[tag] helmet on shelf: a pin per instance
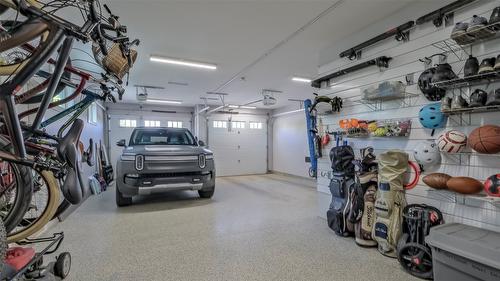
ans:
(431, 117)
(430, 92)
(427, 153)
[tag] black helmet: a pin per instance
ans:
(471, 66)
(444, 72)
(478, 98)
(494, 98)
(425, 84)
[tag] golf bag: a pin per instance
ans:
(362, 213)
(390, 201)
(341, 186)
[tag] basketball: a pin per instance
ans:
(452, 141)
(492, 186)
(485, 139)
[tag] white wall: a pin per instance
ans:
(289, 147)
(475, 209)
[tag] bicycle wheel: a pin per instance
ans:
(13, 60)
(44, 203)
(16, 185)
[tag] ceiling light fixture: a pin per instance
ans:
(164, 101)
(233, 106)
(248, 107)
(183, 62)
(300, 79)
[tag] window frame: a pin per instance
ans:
(132, 122)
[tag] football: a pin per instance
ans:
(452, 141)
(464, 185)
(492, 186)
(437, 180)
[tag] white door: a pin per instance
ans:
(239, 148)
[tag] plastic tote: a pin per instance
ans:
(464, 253)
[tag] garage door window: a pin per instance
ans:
(174, 124)
(256, 125)
(151, 123)
(220, 124)
(127, 123)
(238, 125)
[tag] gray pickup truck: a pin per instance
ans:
(163, 159)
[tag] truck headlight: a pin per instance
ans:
(209, 156)
(139, 162)
(127, 157)
(202, 161)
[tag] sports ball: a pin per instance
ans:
(372, 127)
(452, 141)
(437, 180)
(485, 139)
(492, 186)
(381, 132)
(464, 185)
(427, 153)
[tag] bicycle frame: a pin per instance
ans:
(77, 108)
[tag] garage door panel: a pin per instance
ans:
(239, 151)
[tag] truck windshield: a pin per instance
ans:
(162, 137)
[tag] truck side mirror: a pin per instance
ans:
(201, 143)
(120, 142)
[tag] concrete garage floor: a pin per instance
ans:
(255, 228)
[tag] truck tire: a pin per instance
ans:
(122, 201)
(207, 193)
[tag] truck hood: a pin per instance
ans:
(170, 150)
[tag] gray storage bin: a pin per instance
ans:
(464, 253)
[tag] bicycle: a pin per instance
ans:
(55, 31)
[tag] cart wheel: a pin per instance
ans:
(416, 259)
(63, 265)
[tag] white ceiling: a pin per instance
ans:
(233, 34)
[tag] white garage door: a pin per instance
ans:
(240, 146)
(121, 127)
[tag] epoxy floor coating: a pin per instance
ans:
(254, 228)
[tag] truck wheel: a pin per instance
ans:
(122, 201)
(62, 265)
(208, 193)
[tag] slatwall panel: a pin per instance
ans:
(477, 209)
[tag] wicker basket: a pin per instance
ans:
(116, 63)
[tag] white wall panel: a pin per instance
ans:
(476, 209)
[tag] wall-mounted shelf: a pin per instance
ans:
(481, 109)
(478, 79)
(376, 103)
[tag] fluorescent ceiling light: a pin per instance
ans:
(183, 62)
(300, 79)
(248, 107)
(164, 101)
(233, 106)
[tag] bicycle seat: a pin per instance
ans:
(73, 188)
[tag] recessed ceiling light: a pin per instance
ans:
(301, 79)
(183, 62)
(248, 107)
(164, 101)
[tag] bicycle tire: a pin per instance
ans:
(24, 188)
(14, 68)
(48, 212)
